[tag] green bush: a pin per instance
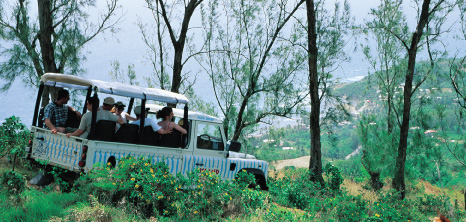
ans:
(12, 182)
(390, 208)
(151, 190)
(334, 178)
(13, 137)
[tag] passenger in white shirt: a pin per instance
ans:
(85, 125)
(118, 110)
(149, 122)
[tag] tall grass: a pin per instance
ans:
(33, 205)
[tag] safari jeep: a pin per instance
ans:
(204, 147)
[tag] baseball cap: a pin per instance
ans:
(119, 103)
(109, 101)
(137, 110)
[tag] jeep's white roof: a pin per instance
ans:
(192, 115)
(115, 88)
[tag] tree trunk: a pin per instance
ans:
(177, 67)
(375, 180)
(398, 182)
(46, 46)
(375, 176)
(315, 164)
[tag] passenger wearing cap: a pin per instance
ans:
(118, 110)
(85, 125)
(108, 104)
(148, 121)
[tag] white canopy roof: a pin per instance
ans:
(115, 88)
(153, 108)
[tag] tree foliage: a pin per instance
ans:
(53, 41)
(431, 15)
(165, 15)
(251, 61)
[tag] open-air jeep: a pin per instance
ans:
(204, 147)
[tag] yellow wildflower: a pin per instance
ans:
(151, 170)
(114, 183)
(377, 215)
(195, 212)
(133, 179)
(136, 186)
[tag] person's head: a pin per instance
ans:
(91, 101)
(108, 103)
(165, 113)
(137, 111)
(63, 96)
(119, 107)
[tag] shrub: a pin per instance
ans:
(151, 190)
(13, 182)
(390, 208)
(13, 137)
(334, 178)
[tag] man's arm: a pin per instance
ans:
(49, 124)
(128, 117)
(78, 132)
(158, 128)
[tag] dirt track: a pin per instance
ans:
(301, 162)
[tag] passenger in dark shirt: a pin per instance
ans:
(56, 113)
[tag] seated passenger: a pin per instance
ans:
(56, 113)
(148, 121)
(166, 114)
(118, 110)
(85, 125)
(108, 104)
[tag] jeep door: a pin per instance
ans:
(209, 147)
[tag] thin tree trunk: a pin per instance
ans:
(399, 178)
(315, 164)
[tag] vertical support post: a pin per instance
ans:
(94, 116)
(38, 100)
(88, 95)
(130, 105)
(143, 118)
(184, 138)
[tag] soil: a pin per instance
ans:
(301, 162)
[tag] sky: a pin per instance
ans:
(127, 47)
